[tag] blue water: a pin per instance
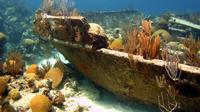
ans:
(146, 6)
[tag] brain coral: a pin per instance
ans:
(40, 103)
(56, 75)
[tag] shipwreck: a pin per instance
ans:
(129, 76)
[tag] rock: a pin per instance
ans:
(40, 103)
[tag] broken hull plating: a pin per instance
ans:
(134, 79)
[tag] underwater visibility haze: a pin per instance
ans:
(99, 56)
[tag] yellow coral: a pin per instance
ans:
(40, 103)
(56, 75)
(32, 69)
(117, 44)
(14, 94)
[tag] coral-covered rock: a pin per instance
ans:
(56, 75)
(40, 103)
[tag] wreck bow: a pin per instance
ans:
(126, 75)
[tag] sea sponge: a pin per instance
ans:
(14, 94)
(117, 44)
(40, 103)
(3, 84)
(56, 75)
(31, 76)
(32, 69)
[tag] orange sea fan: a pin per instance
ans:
(142, 42)
(154, 47)
(146, 27)
(132, 43)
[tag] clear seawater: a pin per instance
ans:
(110, 102)
(146, 6)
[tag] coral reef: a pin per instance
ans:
(40, 103)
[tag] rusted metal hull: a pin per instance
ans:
(134, 79)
